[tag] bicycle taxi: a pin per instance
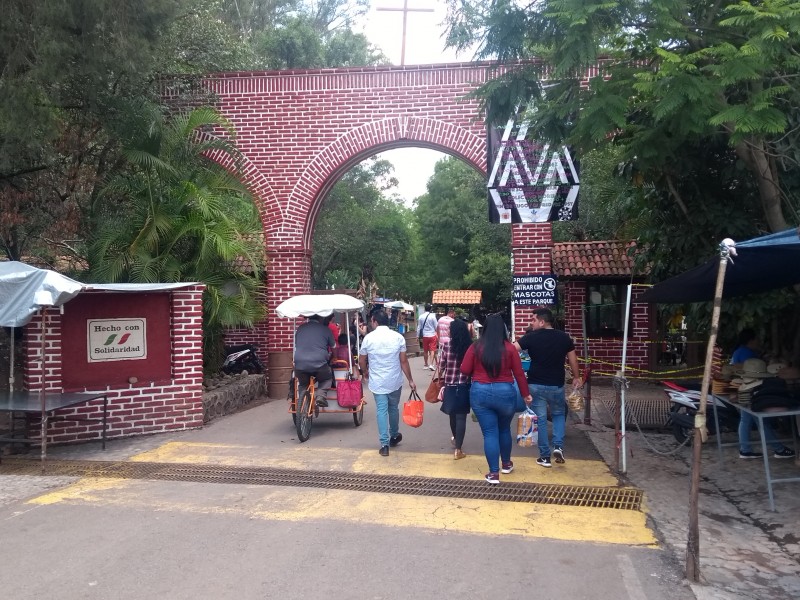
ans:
(302, 402)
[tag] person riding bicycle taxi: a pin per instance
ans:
(313, 344)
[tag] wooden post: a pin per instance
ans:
(700, 432)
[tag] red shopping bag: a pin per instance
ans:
(348, 393)
(413, 410)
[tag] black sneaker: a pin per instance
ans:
(558, 454)
(752, 454)
(784, 453)
(322, 402)
(384, 451)
(544, 461)
(395, 439)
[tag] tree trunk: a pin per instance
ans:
(754, 153)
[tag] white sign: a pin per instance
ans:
(116, 339)
(534, 290)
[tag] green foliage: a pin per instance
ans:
(696, 102)
(360, 231)
(186, 219)
(459, 248)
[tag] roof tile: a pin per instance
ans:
(606, 258)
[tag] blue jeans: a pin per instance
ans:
(552, 396)
(493, 404)
(746, 424)
(388, 414)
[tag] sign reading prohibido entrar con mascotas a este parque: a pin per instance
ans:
(116, 339)
(534, 290)
(529, 182)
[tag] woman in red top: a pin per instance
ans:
(494, 365)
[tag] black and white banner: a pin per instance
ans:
(534, 290)
(529, 182)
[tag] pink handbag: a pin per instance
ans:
(348, 393)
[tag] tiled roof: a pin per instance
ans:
(456, 297)
(593, 259)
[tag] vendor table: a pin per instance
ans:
(45, 404)
(759, 417)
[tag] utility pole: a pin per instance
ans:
(405, 10)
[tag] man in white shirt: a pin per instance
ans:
(427, 337)
(383, 362)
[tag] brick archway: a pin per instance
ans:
(299, 131)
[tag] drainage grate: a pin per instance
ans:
(649, 413)
(564, 495)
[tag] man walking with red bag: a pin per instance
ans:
(383, 362)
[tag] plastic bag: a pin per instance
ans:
(413, 410)
(527, 428)
(575, 401)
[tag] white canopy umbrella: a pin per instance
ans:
(323, 305)
(401, 306)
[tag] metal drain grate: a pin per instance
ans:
(649, 413)
(564, 495)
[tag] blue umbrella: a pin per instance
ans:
(761, 264)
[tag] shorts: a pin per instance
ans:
(429, 343)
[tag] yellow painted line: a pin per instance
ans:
(439, 514)
(399, 462)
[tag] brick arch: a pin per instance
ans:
(368, 139)
(300, 130)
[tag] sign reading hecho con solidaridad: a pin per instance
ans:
(529, 182)
(116, 339)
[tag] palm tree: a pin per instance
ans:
(174, 215)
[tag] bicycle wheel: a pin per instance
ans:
(304, 417)
(358, 415)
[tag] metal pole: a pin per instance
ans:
(622, 372)
(43, 332)
(700, 432)
(587, 413)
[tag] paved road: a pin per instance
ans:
(125, 538)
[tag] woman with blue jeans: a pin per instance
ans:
(494, 365)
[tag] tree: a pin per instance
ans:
(359, 231)
(460, 249)
(186, 219)
(675, 74)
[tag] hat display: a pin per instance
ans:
(755, 368)
(775, 366)
(751, 385)
(727, 372)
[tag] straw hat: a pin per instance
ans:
(755, 368)
(750, 385)
(775, 366)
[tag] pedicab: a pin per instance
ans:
(302, 402)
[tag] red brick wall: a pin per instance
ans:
(134, 408)
(606, 353)
(531, 250)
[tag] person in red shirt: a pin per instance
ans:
(333, 327)
(494, 365)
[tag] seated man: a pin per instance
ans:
(313, 345)
(749, 348)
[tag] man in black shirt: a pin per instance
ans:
(548, 349)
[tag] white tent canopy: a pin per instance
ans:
(25, 289)
(323, 305)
